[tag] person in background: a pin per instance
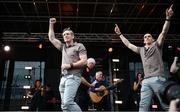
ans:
(151, 56)
(36, 94)
(49, 99)
(98, 82)
(174, 105)
(175, 70)
(137, 87)
(82, 96)
(74, 58)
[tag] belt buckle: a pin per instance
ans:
(64, 72)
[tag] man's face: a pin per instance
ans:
(148, 39)
(99, 76)
(90, 65)
(68, 36)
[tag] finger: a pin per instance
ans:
(116, 25)
(171, 6)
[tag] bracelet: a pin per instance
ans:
(71, 64)
(168, 20)
(120, 34)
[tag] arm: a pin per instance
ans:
(51, 34)
(161, 37)
(125, 41)
(173, 107)
(136, 85)
(81, 63)
(174, 68)
(85, 82)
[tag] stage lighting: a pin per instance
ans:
(110, 49)
(40, 46)
(28, 68)
(115, 60)
(26, 87)
(25, 107)
(118, 102)
(27, 76)
(7, 48)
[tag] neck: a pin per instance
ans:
(69, 43)
(148, 45)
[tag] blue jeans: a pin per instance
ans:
(68, 88)
(150, 87)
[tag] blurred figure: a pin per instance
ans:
(74, 58)
(82, 96)
(99, 86)
(50, 99)
(36, 94)
(137, 87)
(151, 56)
(174, 105)
(175, 70)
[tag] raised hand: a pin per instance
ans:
(169, 11)
(176, 58)
(117, 30)
(52, 20)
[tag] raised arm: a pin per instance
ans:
(161, 37)
(125, 41)
(51, 34)
(174, 68)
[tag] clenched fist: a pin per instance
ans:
(52, 20)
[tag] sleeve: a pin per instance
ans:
(83, 71)
(82, 49)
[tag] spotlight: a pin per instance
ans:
(110, 49)
(118, 102)
(25, 107)
(7, 48)
(40, 46)
(115, 60)
(26, 87)
(28, 68)
(27, 77)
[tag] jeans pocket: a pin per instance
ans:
(162, 79)
(77, 79)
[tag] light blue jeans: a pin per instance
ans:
(68, 88)
(150, 87)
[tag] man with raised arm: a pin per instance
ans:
(151, 56)
(74, 57)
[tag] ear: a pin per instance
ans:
(73, 36)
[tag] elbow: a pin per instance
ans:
(173, 71)
(84, 62)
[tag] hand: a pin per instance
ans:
(176, 58)
(174, 105)
(92, 85)
(141, 79)
(52, 20)
(65, 66)
(169, 12)
(117, 30)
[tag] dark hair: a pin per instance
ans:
(138, 74)
(36, 82)
(68, 29)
